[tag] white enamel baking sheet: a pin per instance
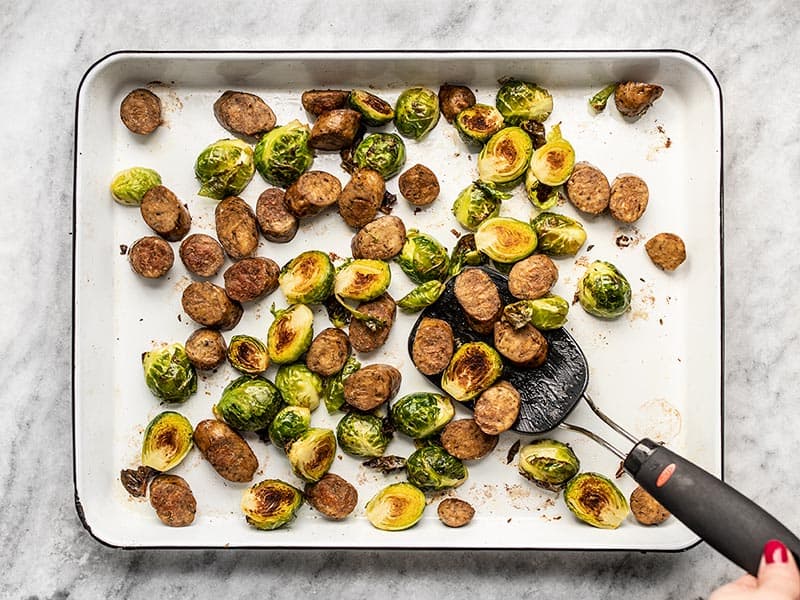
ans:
(657, 370)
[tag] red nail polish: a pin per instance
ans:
(775, 551)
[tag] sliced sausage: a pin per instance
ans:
(633, 98)
(371, 386)
(646, 509)
(237, 230)
(244, 114)
(140, 111)
(173, 500)
(433, 346)
(381, 239)
(455, 512)
(227, 451)
(276, 222)
(164, 213)
(335, 129)
(419, 185)
(313, 192)
(206, 349)
(497, 408)
(202, 255)
(209, 305)
(334, 497)
(151, 257)
(321, 101)
(629, 197)
(478, 296)
(666, 250)
(532, 277)
(251, 278)
(364, 339)
(525, 347)
(465, 440)
(588, 189)
(453, 99)
(328, 352)
(361, 197)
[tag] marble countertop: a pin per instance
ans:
(48, 46)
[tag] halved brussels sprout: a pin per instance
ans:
(307, 278)
(362, 279)
(288, 425)
(167, 441)
(311, 455)
(505, 240)
(416, 112)
(543, 197)
(421, 296)
(396, 507)
(423, 258)
(283, 154)
(299, 386)
(129, 186)
(224, 168)
(249, 403)
(333, 393)
(600, 99)
(558, 235)
(363, 435)
(505, 157)
(271, 503)
(603, 291)
(381, 152)
(290, 334)
(549, 312)
(552, 164)
(474, 367)
(595, 500)
(548, 463)
(465, 253)
(248, 354)
(476, 203)
(169, 374)
(432, 468)
(478, 123)
(520, 101)
(422, 414)
(374, 111)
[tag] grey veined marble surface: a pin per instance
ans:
(47, 46)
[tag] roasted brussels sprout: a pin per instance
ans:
(474, 367)
(552, 164)
(505, 240)
(595, 500)
(312, 454)
(465, 253)
(416, 112)
(307, 278)
(333, 392)
(476, 203)
(283, 154)
(558, 235)
(167, 441)
(478, 123)
(422, 414)
(381, 152)
(363, 435)
(423, 258)
(224, 168)
(362, 279)
(129, 186)
(248, 354)
(288, 425)
(396, 507)
(548, 312)
(249, 403)
(520, 101)
(505, 157)
(421, 296)
(432, 468)
(603, 291)
(169, 374)
(543, 197)
(548, 463)
(271, 503)
(299, 386)
(600, 99)
(290, 333)
(374, 111)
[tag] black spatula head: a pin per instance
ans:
(548, 392)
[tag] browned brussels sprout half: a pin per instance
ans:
(396, 507)
(548, 463)
(474, 367)
(595, 500)
(248, 354)
(167, 441)
(271, 503)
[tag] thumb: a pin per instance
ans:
(778, 572)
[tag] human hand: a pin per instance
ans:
(778, 578)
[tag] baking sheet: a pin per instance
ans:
(657, 370)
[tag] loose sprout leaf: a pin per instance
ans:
(599, 100)
(386, 464)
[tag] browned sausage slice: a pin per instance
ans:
(251, 278)
(455, 512)
(371, 386)
(588, 189)
(320, 101)
(312, 193)
(433, 346)
(165, 214)
(478, 296)
(202, 255)
(419, 185)
(335, 129)
(646, 509)
(332, 496)
(151, 257)
(381, 239)
(173, 500)
(140, 111)
(532, 277)
(453, 99)
(244, 114)
(629, 197)
(229, 454)
(497, 408)
(525, 347)
(633, 98)
(666, 250)
(209, 305)
(206, 349)
(236, 227)
(465, 440)
(276, 222)
(328, 352)
(364, 339)
(361, 197)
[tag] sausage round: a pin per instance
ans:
(362, 338)
(328, 352)
(629, 197)
(419, 185)
(151, 257)
(453, 99)
(478, 296)
(371, 386)
(455, 512)
(276, 223)
(361, 197)
(206, 349)
(209, 305)
(251, 278)
(465, 440)
(140, 111)
(532, 277)
(321, 101)
(646, 509)
(244, 114)
(497, 408)
(202, 255)
(525, 347)
(381, 239)
(666, 250)
(588, 189)
(229, 454)
(335, 129)
(433, 346)
(313, 192)
(173, 500)
(334, 497)
(633, 98)
(164, 213)
(236, 227)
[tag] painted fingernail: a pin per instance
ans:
(775, 551)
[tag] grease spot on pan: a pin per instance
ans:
(659, 420)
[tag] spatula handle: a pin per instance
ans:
(731, 523)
